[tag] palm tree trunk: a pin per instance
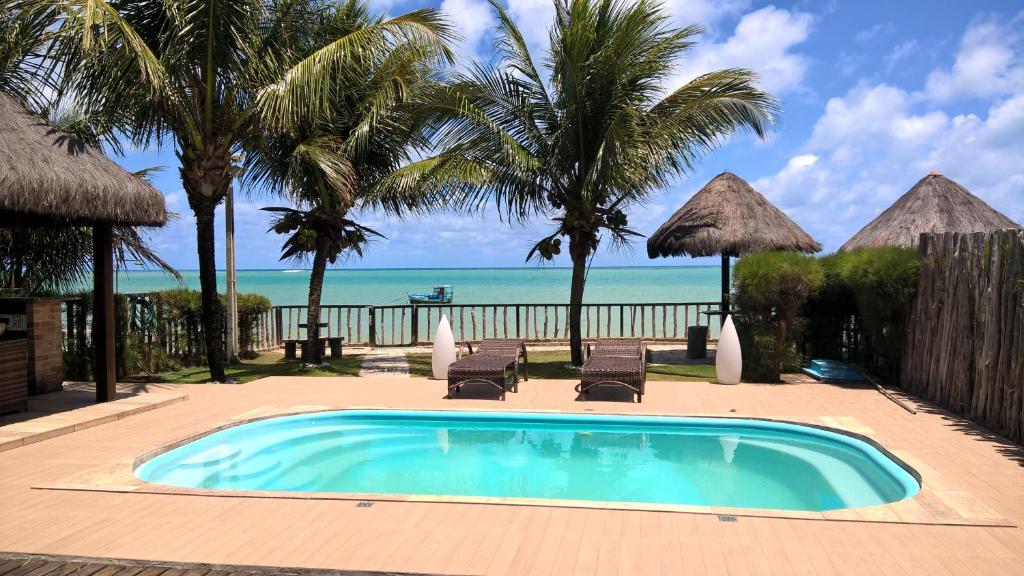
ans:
(314, 352)
(206, 177)
(578, 252)
(208, 285)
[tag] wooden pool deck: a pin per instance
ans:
(980, 475)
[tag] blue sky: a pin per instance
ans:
(875, 95)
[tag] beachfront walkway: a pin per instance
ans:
(965, 469)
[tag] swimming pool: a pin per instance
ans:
(667, 460)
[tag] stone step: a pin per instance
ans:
(384, 363)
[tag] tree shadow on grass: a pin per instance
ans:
(247, 371)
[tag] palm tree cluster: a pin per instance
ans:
(592, 136)
(341, 111)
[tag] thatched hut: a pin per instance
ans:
(934, 204)
(48, 178)
(729, 218)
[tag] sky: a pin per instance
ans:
(875, 95)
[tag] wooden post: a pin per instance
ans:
(415, 326)
(725, 289)
(372, 326)
(104, 366)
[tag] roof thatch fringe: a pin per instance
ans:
(934, 204)
(48, 176)
(728, 217)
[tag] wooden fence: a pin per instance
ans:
(965, 342)
(413, 324)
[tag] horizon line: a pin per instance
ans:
(431, 268)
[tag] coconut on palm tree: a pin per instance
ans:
(332, 164)
(207, 76)
(592, 136)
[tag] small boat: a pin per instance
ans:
(442, 294)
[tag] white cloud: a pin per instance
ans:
(872, 144)
(534, 18)
(900, 52)
(872, 118)
(869, 35)
(869, 147)
(707, 13)
(987, 64)
(762, 41)
(473, 19)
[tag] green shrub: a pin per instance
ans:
(250, 308)
(759, 343)
(771, 289)
(776, 282)
(169, 320)
(872, 288)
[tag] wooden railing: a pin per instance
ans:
(414, 324)
(157, 334)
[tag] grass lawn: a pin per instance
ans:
(551, 364)
(267, 364)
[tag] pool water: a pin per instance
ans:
(700, 461)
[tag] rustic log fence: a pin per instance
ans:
(965, 341)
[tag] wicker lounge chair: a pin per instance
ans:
(495, 362)
(614, 362)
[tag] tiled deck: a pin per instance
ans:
(75, 408)
(469, 538)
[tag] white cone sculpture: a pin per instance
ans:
(728, 358)
(444, 349)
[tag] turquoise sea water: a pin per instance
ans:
(699, 461)
(472, 286)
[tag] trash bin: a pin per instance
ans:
(697, 342)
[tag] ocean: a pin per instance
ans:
(534, 285)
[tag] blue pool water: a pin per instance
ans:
(702, 461)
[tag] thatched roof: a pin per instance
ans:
(730, 218)
(48, 177)
(934, 204)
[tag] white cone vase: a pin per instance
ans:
(444, 349)
(728, 358)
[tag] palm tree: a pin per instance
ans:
(22, 40)
(333, 164)
(594, 137)
(207, 76)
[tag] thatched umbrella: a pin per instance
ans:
(728, 217)
(934, 204)
(48, 178)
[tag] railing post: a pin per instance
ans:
(372, 312)
(69, 312)
(415, 325)
(278, 326)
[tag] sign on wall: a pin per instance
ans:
(15, 322)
